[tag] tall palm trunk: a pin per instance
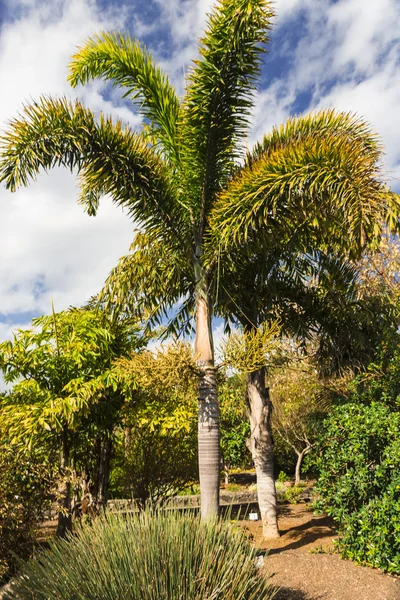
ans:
(208, 439)
(260, 408)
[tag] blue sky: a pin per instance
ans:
(342, 53)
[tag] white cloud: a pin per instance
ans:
(44, 235)
(47, 238)
(366, 30)
(272, 107)
(186, 20)
(347, 57)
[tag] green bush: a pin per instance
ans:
(359, 482)
(234, 423)
(282, 477)
(24, 496)
(292, 494)
(233, 487)
(155, 465)
(152, 556)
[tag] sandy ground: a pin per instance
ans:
(302, 563)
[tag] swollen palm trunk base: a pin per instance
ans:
(208, 439)
(262, 451)
(209, 447)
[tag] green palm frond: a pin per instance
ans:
(111, 160)
(128, 64)
(181, 321)
(329, 271)
(326, 122)
(328, 182)
(220, 95)
(149, 281)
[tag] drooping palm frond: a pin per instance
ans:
(149, 281)
(331, 122)
(111, 160)
(220, 95)
(330, 271)
(329, 183)
(127, 63)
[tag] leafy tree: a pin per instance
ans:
(64, 385)
(156, 454)
(299, 407)
(181, 178)
(152, 463)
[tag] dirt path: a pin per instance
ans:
(302, 565)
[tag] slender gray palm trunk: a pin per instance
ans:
(260, 408)
(208, 428)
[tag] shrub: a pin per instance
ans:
(233, 487)
(359, 482)
(152, 556)
(292, 494)
(282, 477)
(24, 495)
(155, 465)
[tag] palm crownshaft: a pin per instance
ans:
(179, 178)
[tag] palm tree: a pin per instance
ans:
(305, 291)
(291, 286)
(180, 178)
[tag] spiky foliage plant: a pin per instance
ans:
(150, 556)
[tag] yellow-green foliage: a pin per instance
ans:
(250, 350)
(60, 368)
(300, 402)
(157, 451)
(164, 381)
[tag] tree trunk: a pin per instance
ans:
(64, 524)
(208, 428)
(103, 473)
(300, 456)
(127, 440)
(261, 443)
(225, 469)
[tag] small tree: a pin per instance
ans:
(64, 384)
(299, 407)
(157, 455)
